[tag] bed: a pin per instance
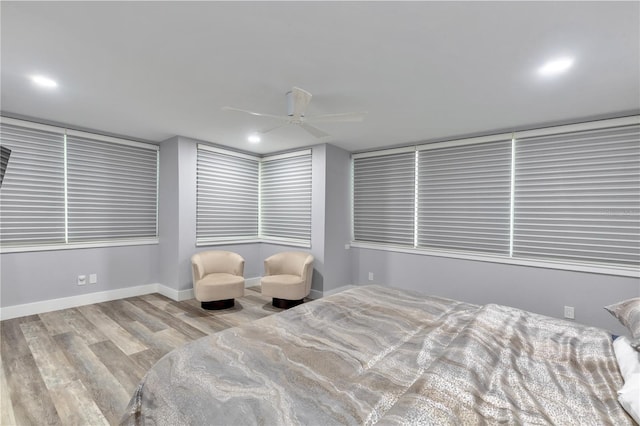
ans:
(377, 355)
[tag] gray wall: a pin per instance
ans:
(540, 290)
(337, 218)
(318, 209)
(44, 275)
(168, 213)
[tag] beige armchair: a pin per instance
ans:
(217, 278)
(287, 278)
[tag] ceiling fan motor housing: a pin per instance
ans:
(290, 104)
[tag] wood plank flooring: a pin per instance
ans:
(80, 366)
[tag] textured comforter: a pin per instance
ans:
(379, 355)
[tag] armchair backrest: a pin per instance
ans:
(216, 261)
(291, 263)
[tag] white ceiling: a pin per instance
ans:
(422, 70)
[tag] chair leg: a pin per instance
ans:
(285, 303)
(218, 304)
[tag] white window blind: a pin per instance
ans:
(285, 197)
(464, 195)
(384, 197)
(32, 210)
(227, 196)
(111, 189)
(577, 196)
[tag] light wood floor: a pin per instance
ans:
(80, 366)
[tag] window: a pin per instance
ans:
(112, 189)
(384, 197)
(227, 196)
(64, 188)
(243, 198)
(565, 197)
(285, 197)
(32, 207)
(464, 194)
(577, 196)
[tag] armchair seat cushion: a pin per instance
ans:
(282, 280)
(218, 275)
(287, 275)
(291, 287)
(219, 286)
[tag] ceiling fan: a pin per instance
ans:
(297, 102)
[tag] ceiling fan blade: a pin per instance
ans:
(314, 130)
(337, 118)
(271, 129)
(259, 114)
(300, 99)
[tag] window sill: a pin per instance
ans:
(549, 264)
(230, 242)
(74, 246)
(282, 242)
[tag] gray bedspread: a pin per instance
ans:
(380, 355)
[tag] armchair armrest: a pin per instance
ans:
(197, 267)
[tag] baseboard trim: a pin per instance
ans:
(26, 309)
(338, 290)
(252, 282)
(43, 306)
(173, 294)
(315, 294)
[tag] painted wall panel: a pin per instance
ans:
(44, 275)
(540, 290)
(337, 218)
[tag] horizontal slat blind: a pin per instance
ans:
(32, 192)
(464, 197)
(111, 190)
(577, 196)
(227, 197)
(285, 197)
(383, 198)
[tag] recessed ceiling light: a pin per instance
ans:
(556, 66)
(43, 81)
(254, 138)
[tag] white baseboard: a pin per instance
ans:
(34, 308)
(338, 290)
(251, 282)
(16, 311)
(173, 294)
(180, 295)
(317, 294)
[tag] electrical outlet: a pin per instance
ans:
(82, 279)
(93, 278)
(569, 312)
(347, 246)
(370, 276)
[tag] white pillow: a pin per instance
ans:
(629, 396)
(628, 358)
(629, 364)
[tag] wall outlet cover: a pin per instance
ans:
(82, 279)
(93, 278)
(569, 312)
